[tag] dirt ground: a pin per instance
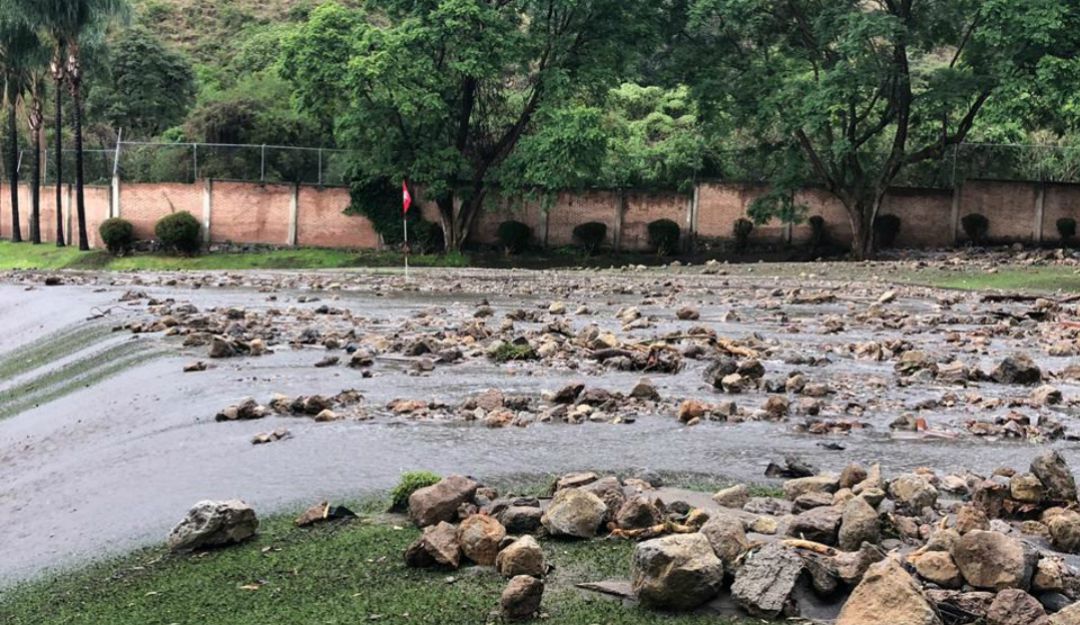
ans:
(105, 440)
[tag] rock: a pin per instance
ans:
(676, 572)
(557, 308)
(994, 561)
(440, 502)
(213, 524)
(850, 566)
(221, 348)
(574, 512)
(574, 480)
(522, 557)
(1026, 488)
(816, 484)
(813, 500)
(610, 491)
(776, 407)
(521, 519)
(937, 567)
(688, 313)
(479, 536)
(852, 475)
(521, 598)
(727, 537)
(819, 525)
(955, 372)
(645, 389)
(1068, 616)
(858, 524)
(1050, 575)
(1065, 532)
(718, 370)
(568, 394)
(1046, 395)
(438, 546)
(764, 585)
(734, 497)
(1017, 369)
(1016, 607)
(637, 513)
(887, 594)
(913, 492)
(1056, 477)
(970, 518)
(691, 409)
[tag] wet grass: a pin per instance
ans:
(50, 349)
(338, 574)
(49, 257)
(78, 374)
(1036, 279)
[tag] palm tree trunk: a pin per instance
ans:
(59, 164)
(80, 199)
(13, 171)
(35, 189)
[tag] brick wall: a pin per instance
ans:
(310, 216)
(97, 210)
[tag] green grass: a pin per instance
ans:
(1064, 279)
(339, 574)
(49, 257)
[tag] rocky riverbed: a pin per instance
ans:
(280, 386)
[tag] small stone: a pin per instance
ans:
(521, 599)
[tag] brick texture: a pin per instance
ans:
(322, 221)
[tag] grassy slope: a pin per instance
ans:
(339, 574)
(48, 257)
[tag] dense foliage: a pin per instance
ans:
(118, 235)
(179, 232)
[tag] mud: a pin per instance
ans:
(112, 463)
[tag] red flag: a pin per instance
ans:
(406, 198)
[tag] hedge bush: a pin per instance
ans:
(976, 227)
(409, 483)
(1066, 227)
(118, 235)
(179, 232)
(591, 235)
(886, 229)
(664, 236)
(742, 229)
(514, 236)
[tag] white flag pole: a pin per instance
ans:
(405, 221)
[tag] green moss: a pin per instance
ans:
(409, 483)
(509, 351)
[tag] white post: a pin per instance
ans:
(208, 208)
(294, 216)
(405, 221)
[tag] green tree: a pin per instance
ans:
(442, 91)
(67, 24)
(148, 89)
(17, 42)
(853, 92)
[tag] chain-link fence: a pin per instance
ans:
(189, 162)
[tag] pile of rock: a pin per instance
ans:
(346, 404)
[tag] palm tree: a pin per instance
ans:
(66, 23)
(16, 59)
(35, 117)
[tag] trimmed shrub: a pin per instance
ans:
(819, 236)
(742, 229)
(664, 236)
(590, 235)
(118, 235)
(886, 229)
(1066, 227)
(409, 483)
(514, 236)
(976, 227)
(179, 232)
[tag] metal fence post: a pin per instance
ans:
(262, 168)
(320, 167)
(195, 162)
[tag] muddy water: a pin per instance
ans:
(116, 464)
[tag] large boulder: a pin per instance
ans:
(1065, 531)
(994, 561)
(1068, 616)
(440, 502)
(817, 524)
(793, 489)
(1017, 369)
(913, 492)
(574, 512)
(1057, 479)
(521, 519)
(638, 513)
(677, 572)
(610, 491)
(858, 524)
(521, 598)
(887, 594)
(1016, 607)
(521, 557)
(727, 537)
(480, 536)
(214, 524)
(765, 584)
(734, 497)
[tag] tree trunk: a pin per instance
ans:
(13, 170)
(59, 163)
(448, 221)
(80, 199)
(862, 230)
(35, 120)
